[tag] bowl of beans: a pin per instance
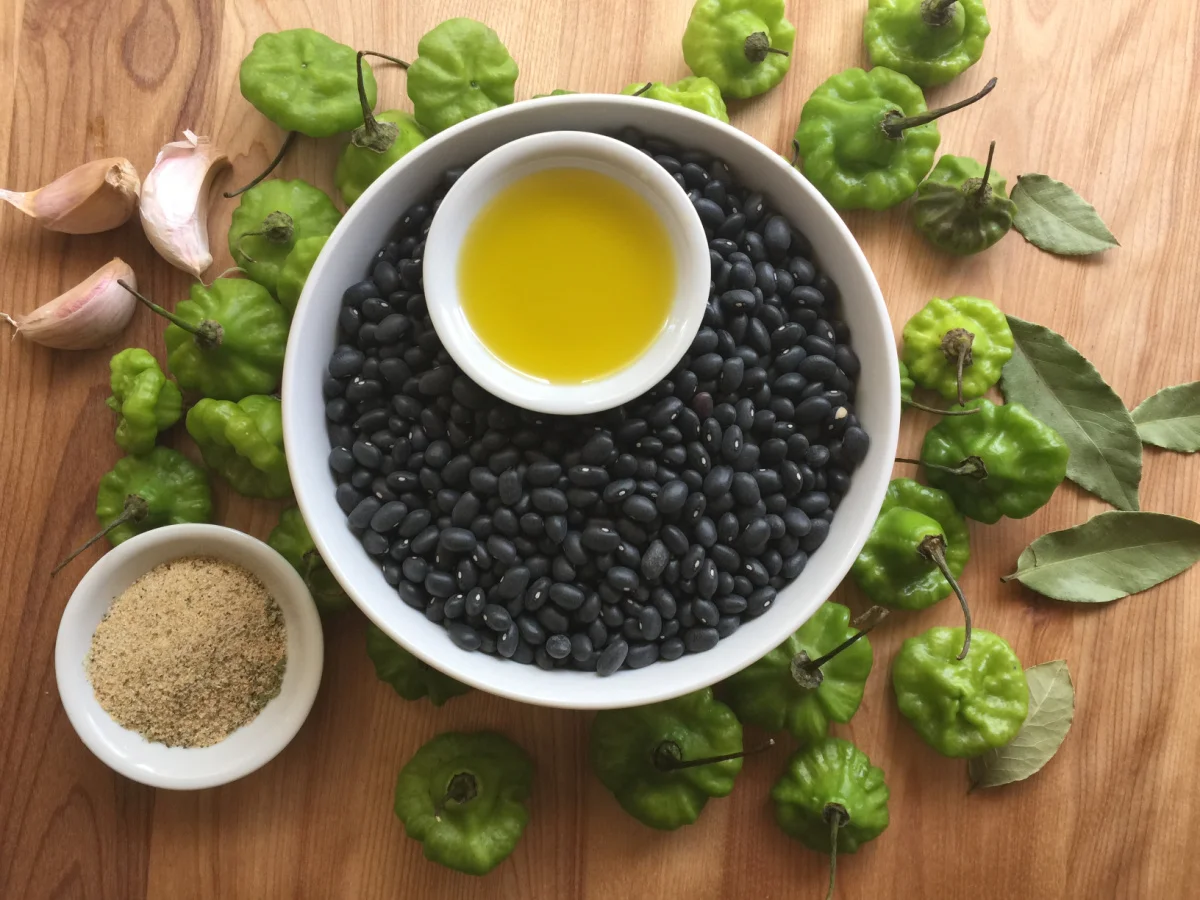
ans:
(627, 555)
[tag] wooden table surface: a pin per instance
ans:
(1099, 95)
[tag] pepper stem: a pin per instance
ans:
(937, 13)
(287, 145)
(795, 152)
(956, 346)
(987, 173)
(135, 509)
(668, 756)
(807, 672)
(278, 228)
(933, 548)
(837, 817)
(971, 467)
(758, 45)
(462, 788)
(208, 334)
(896, 123)
(372, 134)
(941, 412)
(645, 87)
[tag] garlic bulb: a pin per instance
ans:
(97, 196)
(89, 315)
(174, 205)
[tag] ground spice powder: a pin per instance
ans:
(190, 652)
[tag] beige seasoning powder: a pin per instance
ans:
(189, 653)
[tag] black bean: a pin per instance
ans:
(711, 214)
(640, 508)
(497, 618)
(641, 655)
(855, 444)
(612, 657)
(567, 596)
(699, 639)
(718, 481)
(439, 584)
(600, 538)
(464, 636)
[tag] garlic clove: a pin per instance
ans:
(97, 196)
(174, 206)
(89, 315)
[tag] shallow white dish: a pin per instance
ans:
(346, 258)
(248, 748)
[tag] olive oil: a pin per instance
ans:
(567, 275)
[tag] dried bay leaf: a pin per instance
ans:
(1171, 418)
(1052, 217)
(1051, 710)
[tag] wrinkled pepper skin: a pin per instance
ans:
(929, 45)
(956, 212)
(694, 93)
(478, 834)
(961, 708)
(991, 346)
(1025, 459)
(907, 386)
(143, 398)
(311, 213)
(847, 155)
(249, 358)
(462, 69)
(358, 167)
(714, 44)
(294, 273)
(411, 678)
(831, 771)
(624, 742)
(889, 569)
(766, 695)
(304, 81)
(175, 490)
(291, 540)
(243, 443)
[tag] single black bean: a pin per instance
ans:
(718, 481)
(640, 508)
(600, 538)
(464, 636)
(699, 639)
(497, 618)
(613, 656)
(641, 655)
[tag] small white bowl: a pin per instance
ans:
(248, 748)
(519, 159)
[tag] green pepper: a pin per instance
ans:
(557, 92)
(813, 678)
(464, 796)
(269, 221)
(291, 540)
(358, 167)
(294, 271)
(243, 443)
(742, 45)
(462, 69)
(411, 677)
(146, 401)
(694, 92)
(907, 386)
(957, 347)
(832, 800)
(930, 41)
(960, 707)
(961, 207)
(867, 138)
(162, 487)
(663, 761)
(916, 551)
(1002, 462)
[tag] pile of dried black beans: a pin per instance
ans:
(619, 539)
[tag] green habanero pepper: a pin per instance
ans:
(957, 347)
(243, 443)
(832, 800)
(744, 46)
(294, 271)
(291, 540)
(1002, 462)
(907, 386)
(162, 487)
(695, 93)
(867, 138)
(144, 399)
(464, 796)
(462, 69)
(916, 551)
(930, 41)
(226, 341)
(960, 707)
(663, 761)
(961, 207)
(411, 677)
(813, 678)
(269, 221)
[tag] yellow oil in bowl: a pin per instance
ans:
(567, 275)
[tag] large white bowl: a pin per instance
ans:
(346, 259)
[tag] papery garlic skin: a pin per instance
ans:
(97, 196)
(174, 205)
(89, 315)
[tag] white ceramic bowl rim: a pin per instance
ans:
(347, 257)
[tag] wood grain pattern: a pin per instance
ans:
(1100, 95)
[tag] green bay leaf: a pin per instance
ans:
(1171, 418)
(1057, 384)
(1053, 217)
(1108, 557)
(1051, 710)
